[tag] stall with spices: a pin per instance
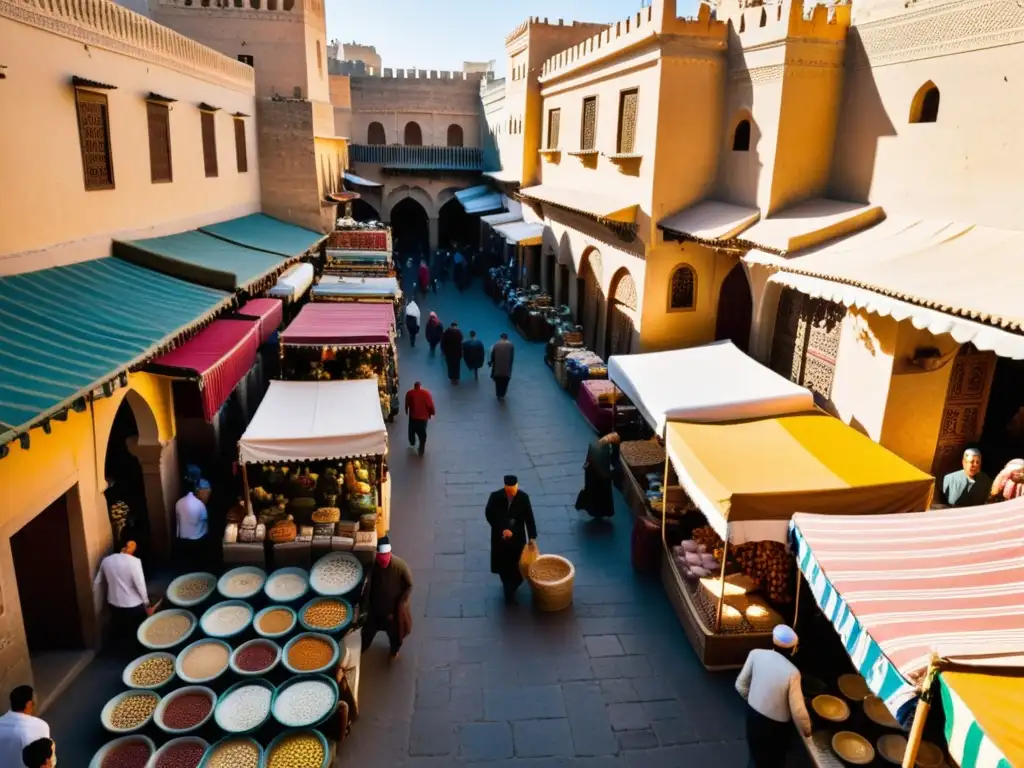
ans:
(366, 290)
(331, 341)
(360, 250)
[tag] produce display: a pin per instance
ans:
(187, 710)
(204, 660)
(642, 453)
(256, 657)
(304, 703)
(236, 753)
(242, 583)
(226, 619)
(183, 755)
(191, 588)
(153, 672)
(310, 654)
(167, 628)
(766, 562)
(244, 708)
(325, 614)
(364, 363)
(132, 711)
(134, 754)
(286, 586)
(302, 750)
(276, 621)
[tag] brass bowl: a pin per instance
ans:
(831, 708)
(878, 713)
(854, 687)
(891, 747)
(853, 748)
(928, 756)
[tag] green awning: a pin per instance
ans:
(205, 260)
(265, 233)
(68, 330)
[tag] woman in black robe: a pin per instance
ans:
(511, 519)
(596, 498)
(451, 348)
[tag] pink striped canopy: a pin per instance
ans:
(949, 582)
(348, 324)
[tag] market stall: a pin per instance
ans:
(360, 251)
(293, 283)
(330, 341)
(368, 290)
(915, 597)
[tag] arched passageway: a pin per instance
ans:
(621, 311)
(126, 489)
(456, 228)
(363, 211)
(590, 300)
(410, 228)
(735, 308)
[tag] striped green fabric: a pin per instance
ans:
(68, 329)
(968, 744)
(265, 233)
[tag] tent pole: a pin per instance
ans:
(796, 600)
(615, 409)
(924, 705)
(721, 590)
(664, 491)
(245, 486)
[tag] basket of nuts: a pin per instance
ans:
(234, 752)
(129, 711)
(326, 614)
(298, 749)
(149, 672)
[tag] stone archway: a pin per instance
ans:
(735, 309)
(410, 227)
(622, 309)
(589, 297)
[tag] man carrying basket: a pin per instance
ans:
(511, 519)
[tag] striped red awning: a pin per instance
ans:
(331, 324)
(269, 313)
(220, 356)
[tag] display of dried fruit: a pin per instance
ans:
(767, 562)
(642, 453)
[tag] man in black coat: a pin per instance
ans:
(473, 354)
(511, 519)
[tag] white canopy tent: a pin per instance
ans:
(337, 285)
(715, 382)
(293, 283)
(315, 420)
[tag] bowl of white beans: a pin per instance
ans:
(226, 619)
(305, 702)
(244, 707)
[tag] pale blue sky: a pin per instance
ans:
(441, 34)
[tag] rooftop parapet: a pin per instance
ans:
(757, 22)
(258, 6)
(417, 74)
(658, 19)
(536, 21)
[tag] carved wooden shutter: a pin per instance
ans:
(158, 117)
(963, 417)
(94, 138)
(554, 120)
(241, 155)
(806, 342)
(588, 139)
(790, 332)
(620, 329)
(209, 143)
(628, 104)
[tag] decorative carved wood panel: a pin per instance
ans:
(963, 416)
(588, 135)
(554, 121)
(628, 104)
(94, 137)
(806, 341)
(158, 118)
(683, 289)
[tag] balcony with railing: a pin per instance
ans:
(409, 158)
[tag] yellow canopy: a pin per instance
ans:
(995, 703)
(767, 469)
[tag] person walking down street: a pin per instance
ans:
(502, 355)
(510, 516)
(20, 727)
(460, 269)
(387, 606)
(41, 753)
(423, 278)
(419, 407)
(412, 321)
(127, 594)
(770, 684)
(434, 331)
(597, 497)
(473, 354)
(193, 524)
(451, 348)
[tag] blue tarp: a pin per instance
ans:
(265, 233)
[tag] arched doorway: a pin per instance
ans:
(410, 228)
(375, 134)
(126, 486)
(621, 311)
(454, 135)
(413, 136)
(363, 211)
(735, 308)
(589, 297)
(455, 227)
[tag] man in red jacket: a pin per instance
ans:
(419, 407)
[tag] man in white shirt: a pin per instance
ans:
(127, 594)
(770, 684)
(19, 727)
(193, 522)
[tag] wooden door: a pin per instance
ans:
(735, 308)
(593, 302)
(619, 335)
(806, 342)
(963, 416)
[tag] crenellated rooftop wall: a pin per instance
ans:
(757, 23)
(254, 6)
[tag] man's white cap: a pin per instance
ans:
(784, 637)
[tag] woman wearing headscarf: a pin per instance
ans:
(596, 498)
(412, 321)
(1009, 484)
(423, 277)
(434, 331)
(451, 348)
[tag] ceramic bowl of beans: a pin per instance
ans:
(242, 583)
(191, 589)
(226, 619)
(305, 702)
(275, 621)
(182, 752)
(244, 707)
(326, 614)
(309, 653)
(256, 657)
(203, 661)
(166, 629)
(126, 752)
(149, 672)
(185, 710)
(129, 711)
(234, 752)
(286, 585)
(298, 749)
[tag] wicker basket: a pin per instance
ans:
(551, 578)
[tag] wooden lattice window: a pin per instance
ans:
(628, 102)
(683, 288)
(554, 120)
(209, 143)
(241, 156)
(94, 139)
(159, 119)
(588, 132)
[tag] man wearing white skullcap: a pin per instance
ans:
(770, 684)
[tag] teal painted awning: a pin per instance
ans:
(204, 259)
(67, 330)
(265, 233)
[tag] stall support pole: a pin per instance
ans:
(721, 591)
(245, 485)
(924, 705)
(664, 493)
(796, 601)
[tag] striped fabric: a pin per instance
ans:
(899, 588)
(968, 744)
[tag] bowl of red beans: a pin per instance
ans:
(256, 657)
(185, 710)
(182, 752)
(126, 752)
